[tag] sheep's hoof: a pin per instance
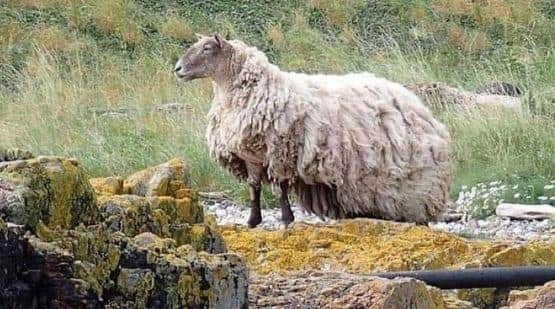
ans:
(254, 220)
(287, 216)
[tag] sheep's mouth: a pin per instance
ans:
(187, 76)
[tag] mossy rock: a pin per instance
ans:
(108, 185)
(53, 190)
(167, 179)
(181, 219)
(366, 246)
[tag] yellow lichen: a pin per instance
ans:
(364, 245)
(108, 185)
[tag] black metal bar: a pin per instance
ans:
(494, 277)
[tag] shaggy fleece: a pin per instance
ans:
(352, 145)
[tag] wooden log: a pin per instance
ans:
(525, 212)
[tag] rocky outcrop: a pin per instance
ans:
(167, 179)
(313, 289)
(67, 247)
(158, 200)
(365, 246)
(442, 95)
(539, 297)
(51, 190)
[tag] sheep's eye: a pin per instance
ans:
(207, 48)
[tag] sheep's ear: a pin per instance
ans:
(219, 40)
(199, 36)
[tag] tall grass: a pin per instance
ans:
(85, 78)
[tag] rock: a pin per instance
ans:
(311, 289)
(137, 284)
(366, 246)
(113, 112)
(524, 211)
(12, 154)
(108, 185)
(75, 268)
(53, 190)
(180, 219)
(174, 108)
(443, 95)
(167, 179)
(539, 297)
(500, 88)
(126, 251)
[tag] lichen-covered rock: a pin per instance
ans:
(53, 190)
(137, 284)
(310, 289)
(366, 246)
(167, 179)
(117, 251)
(180, 219)
(107, 186)
(540, 297)
(90, 267)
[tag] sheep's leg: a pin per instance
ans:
(286, 213)
(255, 186)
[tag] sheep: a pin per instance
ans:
(352, 145)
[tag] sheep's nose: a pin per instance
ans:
(177, 68)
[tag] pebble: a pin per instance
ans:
(228, 212)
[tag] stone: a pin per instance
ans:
(180, 219)
(63, 247)
(53, 190)
(167, 179)
(525, 211)
(12, 154)
(108, 185)
(366, 246)
(500, 88)
(442, 95)
(539, 297)
(313, 289)
(88, 267)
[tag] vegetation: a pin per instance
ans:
(85, 78)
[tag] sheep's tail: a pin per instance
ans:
(319, 199)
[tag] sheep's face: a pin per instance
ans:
(203, 58)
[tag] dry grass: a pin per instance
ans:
(54, 39)
(275, 35)
(58, 90)
(337, 12)
(176, 27)
(116, 17)
(11, 32)
(39, 4)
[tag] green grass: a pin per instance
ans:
(61, 61)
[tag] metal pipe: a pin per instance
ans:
(493, 277)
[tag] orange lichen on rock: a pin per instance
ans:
(107, 186)
(364, 245)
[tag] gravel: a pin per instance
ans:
(228, 212)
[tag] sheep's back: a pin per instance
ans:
(375, 142)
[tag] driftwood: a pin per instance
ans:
(526, 212)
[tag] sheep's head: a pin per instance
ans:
(204, 58)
